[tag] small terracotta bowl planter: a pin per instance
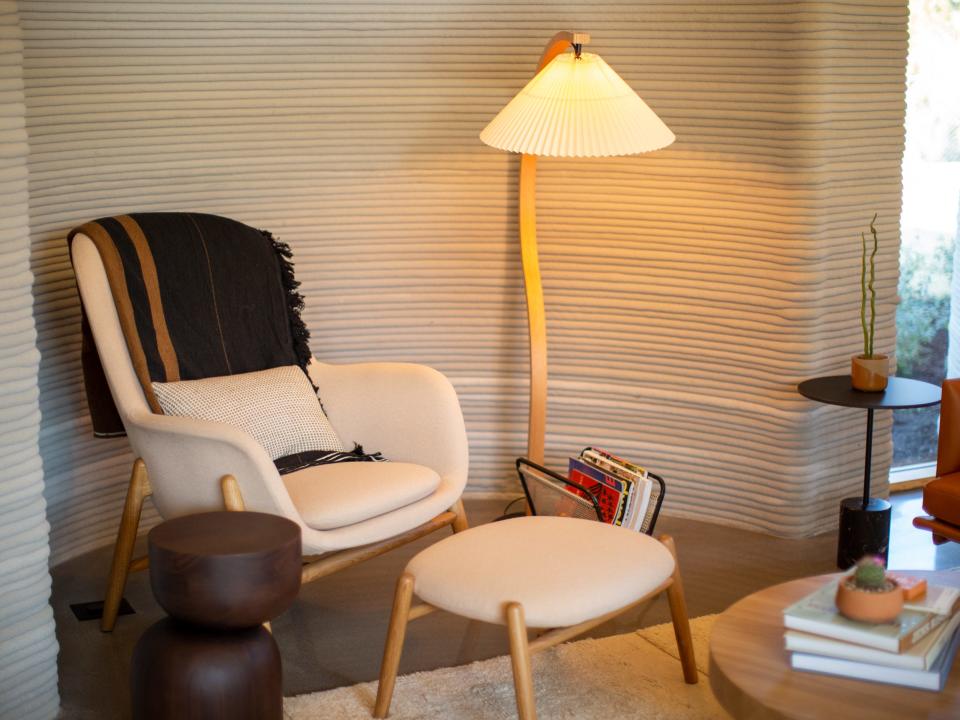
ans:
(868, 595)
(869, 606)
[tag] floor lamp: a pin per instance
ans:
(575, 106)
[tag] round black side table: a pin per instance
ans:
(865, 521)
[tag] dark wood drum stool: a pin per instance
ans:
(220, 576)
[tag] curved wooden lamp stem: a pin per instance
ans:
(536, 316)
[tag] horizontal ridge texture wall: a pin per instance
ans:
(687, 290)
(28, 646)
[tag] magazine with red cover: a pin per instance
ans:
(608, 490)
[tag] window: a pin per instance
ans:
(928, 344)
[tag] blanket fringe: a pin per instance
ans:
(298, 329)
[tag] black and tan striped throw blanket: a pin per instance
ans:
(198, 296)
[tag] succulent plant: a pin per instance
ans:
(870, 573)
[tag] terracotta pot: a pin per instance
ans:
(869, 374)
(869, 606)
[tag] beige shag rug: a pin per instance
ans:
(634, 675)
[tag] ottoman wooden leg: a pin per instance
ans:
(678, 612)
(520, 658)
(394, 647)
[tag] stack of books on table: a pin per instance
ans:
(624, 491)
(916, 650)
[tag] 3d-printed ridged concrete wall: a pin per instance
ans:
(687, 290)
(28, 647)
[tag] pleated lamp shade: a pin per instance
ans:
(577, 108)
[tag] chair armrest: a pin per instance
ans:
(186, 457)
(408, 412)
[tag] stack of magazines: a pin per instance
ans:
(622, 489)
(916, 650)
(599, 486)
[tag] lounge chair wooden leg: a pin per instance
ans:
(137, 491)
(460, 521)
(233, 502)
(394, 646)
(520, 659)
(232, 499)
(681, 623)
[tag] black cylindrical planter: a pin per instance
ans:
(864, 530)
(183, 671)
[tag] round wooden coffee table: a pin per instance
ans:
(750, 670)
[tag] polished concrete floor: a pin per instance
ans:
(333, 635)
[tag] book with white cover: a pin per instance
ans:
(920, 657)
(932, 679)
(643, 512)
(817, 613)
(938, 599)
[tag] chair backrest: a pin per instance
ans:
(105, 326)
(948, 449)
(175, 490)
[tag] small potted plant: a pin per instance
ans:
(868, 595)
(869, 370)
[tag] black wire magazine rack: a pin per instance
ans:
(550, 493)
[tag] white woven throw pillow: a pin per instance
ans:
(278, 407)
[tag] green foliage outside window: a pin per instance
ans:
(924, 312)
(922, 318)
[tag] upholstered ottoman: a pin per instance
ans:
(562, 574)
